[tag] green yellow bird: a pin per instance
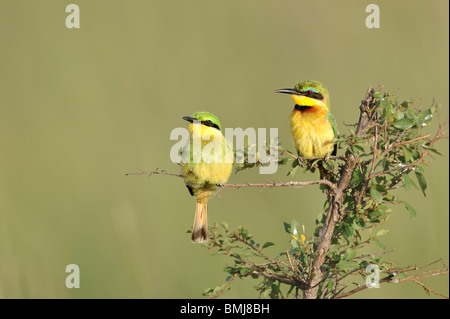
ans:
(205, 167)
(313, 126)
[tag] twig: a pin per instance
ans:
(376, 254)
(394, 145)
(242, 185)
(439, 134)
(290, 263)
(427, 289)
(415, 277)
(283, 184)
(155, 172)
(225, 288)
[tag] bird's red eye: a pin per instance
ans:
(309, 92)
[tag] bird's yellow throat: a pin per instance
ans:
(320, 108)
(311, 130)
(204, 132)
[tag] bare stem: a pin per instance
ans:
(242, 185)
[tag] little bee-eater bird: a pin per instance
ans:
(313, 126)
(205, 166)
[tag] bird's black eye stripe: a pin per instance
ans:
(210, 124)
(313, 95)
(302, 107)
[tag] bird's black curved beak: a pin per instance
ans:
(189, 119)
(287, 91)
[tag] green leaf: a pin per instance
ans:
(376, 195)
(381, 232)
(399, 114)
(375, 214)
(357, 177)
(378, 95)
(431, 149)
(275, 289)
(287, 227)
(379, 244)
(293, 243)
(410, 209)
(268, 244)
(348, 231)
(244, 271)
(384, 209)
(407, 181)
(328, 166)
(380, 188)
(403, 124)
(294, 226)
(350, 254)
(295, 166)
(422, 182)
(330, 284)
(384, 103)
(243, 232)
(389, 110)
(207, 292)
(408, 155)
(347, 265)
(425, 117)
(356, 149)
(405, 104)
(284, 161)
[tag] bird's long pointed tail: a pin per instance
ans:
(200, 228)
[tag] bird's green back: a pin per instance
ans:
(332, 121)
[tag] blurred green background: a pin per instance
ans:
(80, 108)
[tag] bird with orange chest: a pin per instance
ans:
(313, 126)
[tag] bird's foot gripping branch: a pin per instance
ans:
(387, 149)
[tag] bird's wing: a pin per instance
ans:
(332, 121)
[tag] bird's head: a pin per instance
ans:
(308, 96)
(206, 120)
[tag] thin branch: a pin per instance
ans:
(155, 172)
(394, 145)
(374, 158)
(376, 254)
(421, 267)
(242, 185)
(393, 278)
(283, 184)
(427, 289)
(439, 134)
(283, 280)
(290, 263)
(225, 288)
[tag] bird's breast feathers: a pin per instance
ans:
(312, 133)
(215, 154)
